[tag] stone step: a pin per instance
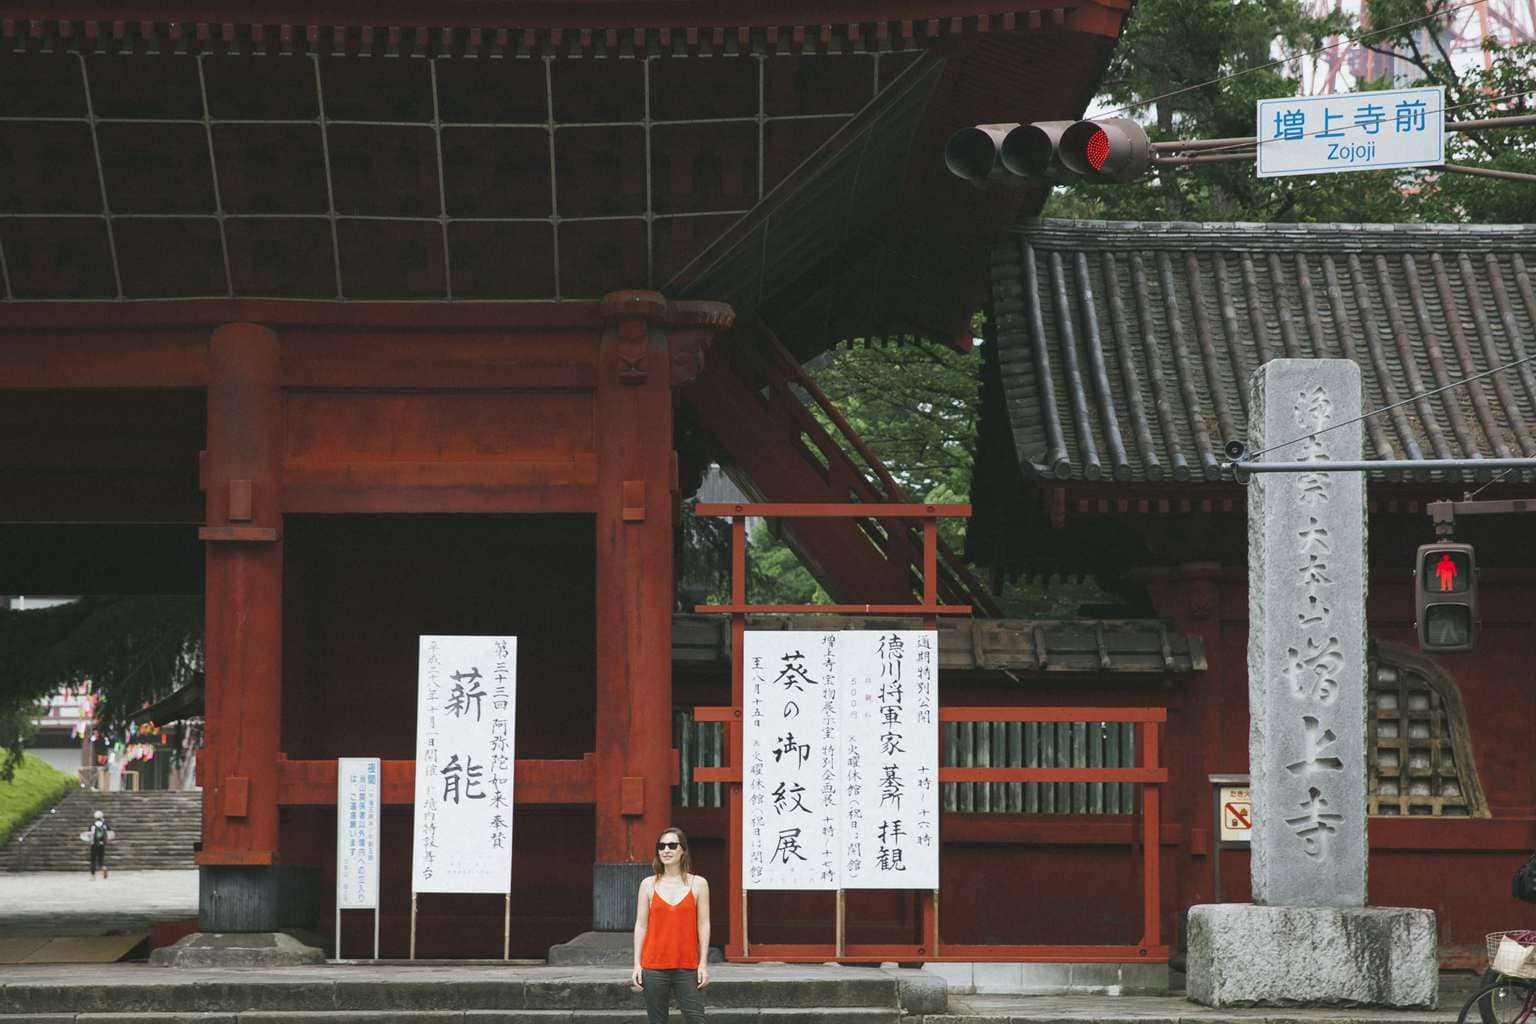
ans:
(154, 830)
(845, 995)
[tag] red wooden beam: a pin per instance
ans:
(536, 782)
(97, 359)
(557, 14)
(1053, 774)
(831, 510)
(833, 609)
(964, 714)
(207, 314)
(803, 953)
(442, 487)
(1049, 829)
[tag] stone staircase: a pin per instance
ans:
(155, 831)
(400, 994)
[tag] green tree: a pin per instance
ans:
(133, 650)
(1169, 70)
(913, 402)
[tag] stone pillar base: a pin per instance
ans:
(1246, 955)
(244, 949)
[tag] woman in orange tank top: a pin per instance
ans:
(672, 933)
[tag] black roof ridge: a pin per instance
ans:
(1099, 235)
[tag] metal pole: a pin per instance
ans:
(413, 926)
(375, 933)
(842, 946)
(1182, 145)
(1369, 465)
(1215, 158)
(1514, 121)
(1489, 172)
(746, 932)
(506, 930)
(337, 954)
(936, 949)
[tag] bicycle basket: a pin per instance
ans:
(1511, 957)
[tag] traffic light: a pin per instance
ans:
(1112, 149)
(975, 153)
(1445, 597)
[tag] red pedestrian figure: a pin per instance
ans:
(1445, 572)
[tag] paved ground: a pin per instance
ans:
(38, 903)
(57, 903)
(974, 1009)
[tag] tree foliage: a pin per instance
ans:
(1171, 70)
(913, 402)
(132, 649)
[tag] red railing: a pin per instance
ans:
(865, 476)
(1148, 773)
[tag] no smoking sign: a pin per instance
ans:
(1236, 808)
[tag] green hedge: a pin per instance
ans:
(36, 787)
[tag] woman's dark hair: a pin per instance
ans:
(685, 863)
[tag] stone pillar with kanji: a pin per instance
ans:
(1309, 935)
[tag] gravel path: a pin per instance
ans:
(70, 903)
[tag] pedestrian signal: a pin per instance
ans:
(1445, 588)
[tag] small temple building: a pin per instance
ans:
(1117, 370)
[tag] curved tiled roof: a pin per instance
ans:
(1126, 348)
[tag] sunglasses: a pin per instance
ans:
(668, 846)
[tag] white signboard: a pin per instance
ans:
(465, 723)
(793, 782)
(891, 740)
(1362, 131)
(841, 744)
(357, 833)
(1235, 806)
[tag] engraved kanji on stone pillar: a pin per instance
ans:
(1307, 638)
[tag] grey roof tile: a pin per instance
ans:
(1126, 348)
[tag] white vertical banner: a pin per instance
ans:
(891, 743)
(357, 833)
(842, 751)
(792, 784)
(465, 723)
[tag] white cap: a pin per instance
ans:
(98, 814)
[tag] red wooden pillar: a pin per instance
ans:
(648, 348)
(242, 478)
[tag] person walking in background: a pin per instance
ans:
(98, 835)
(672, 933)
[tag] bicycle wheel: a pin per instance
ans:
(1502, 1000)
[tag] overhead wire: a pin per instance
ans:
(1386, 408)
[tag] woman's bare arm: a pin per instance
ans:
(701, 898)
(642, 920)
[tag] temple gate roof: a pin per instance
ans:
(786, 156)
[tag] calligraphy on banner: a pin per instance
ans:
(841, 746)
(465, 723)
(357, 833)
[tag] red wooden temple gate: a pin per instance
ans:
(308, 313)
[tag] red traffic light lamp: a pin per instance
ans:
(1112, 149)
